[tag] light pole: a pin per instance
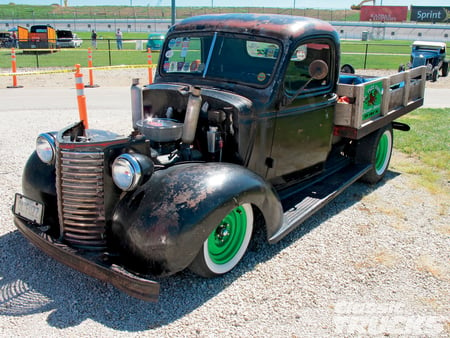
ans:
(173, 12)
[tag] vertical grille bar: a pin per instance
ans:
(80, 190)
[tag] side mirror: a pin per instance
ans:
(318, 69)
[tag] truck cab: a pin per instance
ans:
(280, 109)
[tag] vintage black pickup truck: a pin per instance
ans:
(248, 117)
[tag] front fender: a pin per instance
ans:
(38, 183)
(38, 178)
(162, 225)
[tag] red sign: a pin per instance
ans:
(383, 13)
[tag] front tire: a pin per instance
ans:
(226, 245)
(376, 149)
(435, 75)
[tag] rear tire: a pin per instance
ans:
(347, 69)
(226, 245)
(445, 69)
(376, 149)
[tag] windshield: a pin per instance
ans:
(429, 48)
(38, 29)
(230, 58)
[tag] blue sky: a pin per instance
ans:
(323, 4)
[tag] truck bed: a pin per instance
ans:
(367, 103)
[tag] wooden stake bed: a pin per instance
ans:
(365, 102)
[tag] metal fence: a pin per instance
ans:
(134, 52)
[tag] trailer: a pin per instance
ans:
(37, 37)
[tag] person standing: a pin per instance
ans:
(94, 39)
(119, 38)
(14, 40)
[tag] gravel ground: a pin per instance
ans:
(374, 262)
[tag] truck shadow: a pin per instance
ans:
(32, 283)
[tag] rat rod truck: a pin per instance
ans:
(248, 118)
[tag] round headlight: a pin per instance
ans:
(45, 148)
(126, 172)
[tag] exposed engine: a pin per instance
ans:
(184, 124)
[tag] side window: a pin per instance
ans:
(297, 74)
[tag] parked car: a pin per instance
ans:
(67, 39)
(155, 41)
(430, 54)
(6, 40)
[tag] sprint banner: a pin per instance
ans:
(430, 14)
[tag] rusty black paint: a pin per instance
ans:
(283, 27)
(94, 264)
(164, 223)
(38, 183)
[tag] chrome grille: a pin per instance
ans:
(80, 191)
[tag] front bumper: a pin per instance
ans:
(95, 264)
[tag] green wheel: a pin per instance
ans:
(376, 149)
(382, 154)
(226, 244)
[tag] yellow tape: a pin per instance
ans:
(73, 70)
(63, 50)
(120, 66)
(39, 72)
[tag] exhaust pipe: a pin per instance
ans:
(136, 103)
(192, 113)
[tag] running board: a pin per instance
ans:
(310, 200)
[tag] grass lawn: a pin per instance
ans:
(68, 57)
(386, 54)
(428, 141)
(54, 11)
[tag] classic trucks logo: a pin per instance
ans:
(384, 319)
(372, 100)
